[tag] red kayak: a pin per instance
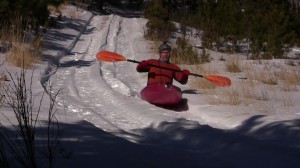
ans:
(160, 94)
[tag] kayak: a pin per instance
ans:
(160, 94)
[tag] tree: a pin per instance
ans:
(159, 25)
(99, 4)
(33, 11)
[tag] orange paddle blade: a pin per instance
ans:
(218, 80)
(109, 56)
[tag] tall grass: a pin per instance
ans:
(24, 43)
(233, 64)
(290, 79)
(260, 82)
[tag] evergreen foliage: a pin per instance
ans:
(159, 25)
(184, 53)
(269, 26)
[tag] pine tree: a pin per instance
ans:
(159, 25)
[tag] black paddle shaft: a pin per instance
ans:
(193, 74)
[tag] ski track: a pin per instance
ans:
(110, 86)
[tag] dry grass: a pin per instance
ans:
(200, 83)
(263, 107)
(232, 96)
(233, 64)
(73, 14)
(52, 9)
(62, 7)
(266, 75)
(244, 93)
(250, 92)
(292, 62)
(261, 84)
(264, 81)
(290, 79)
(22, 55)
(24, 45)
(287, 99)
(223, 96)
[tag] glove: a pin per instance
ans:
(144, 63)
(186, 72)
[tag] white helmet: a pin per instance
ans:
(164, 46)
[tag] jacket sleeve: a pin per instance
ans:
(181, 77)
(143, 68)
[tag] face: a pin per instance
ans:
(164, 55)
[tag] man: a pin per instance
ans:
(161, 70)
(160, 89)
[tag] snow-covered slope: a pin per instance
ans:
(107, 96)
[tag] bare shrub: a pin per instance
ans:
(20, 99)
(20, 142)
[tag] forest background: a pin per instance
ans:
(269, 28)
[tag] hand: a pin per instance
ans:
(186, 72)
(144, 63)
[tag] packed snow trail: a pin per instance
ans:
(106, 94)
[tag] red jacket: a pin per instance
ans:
(161, 75)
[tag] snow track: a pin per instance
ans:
(100, 92)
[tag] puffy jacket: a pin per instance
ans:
(161, 75)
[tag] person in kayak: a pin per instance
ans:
(162, 71)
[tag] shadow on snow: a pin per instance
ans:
(182, 143)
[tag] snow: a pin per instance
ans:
(104, 123)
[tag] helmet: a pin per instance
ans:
(164, 46)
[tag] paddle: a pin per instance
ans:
(113, 57)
